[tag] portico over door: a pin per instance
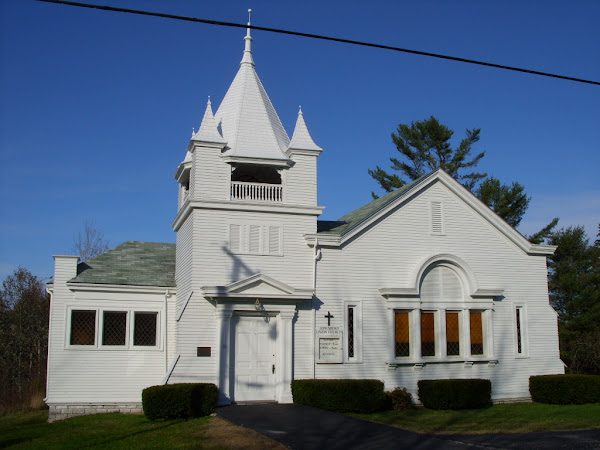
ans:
(248, 348)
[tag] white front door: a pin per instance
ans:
(254, 359)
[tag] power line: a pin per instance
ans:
(317, 36)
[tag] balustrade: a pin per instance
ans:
(263, 192)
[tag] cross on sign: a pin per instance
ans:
(329, 317)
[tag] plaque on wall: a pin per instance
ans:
(329, 345)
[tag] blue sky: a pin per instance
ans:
(97, 108)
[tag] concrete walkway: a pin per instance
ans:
(303, 427)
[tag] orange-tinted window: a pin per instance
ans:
(427, 334)
(476, 333)
(402, 334)
(452, 334)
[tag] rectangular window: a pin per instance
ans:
(476, 326)
(402, 334)
(350, 331)
(452, 334)
(83, 327)
(427, 334)
(144, 330)
(114, 328)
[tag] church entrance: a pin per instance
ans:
(254, 358)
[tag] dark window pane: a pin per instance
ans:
(476, 333)
(145, 329)
(402, 334)
(519, 349)
(83, 327)
(427, 334)
(114, 328)
(452, 334)
(351, 332)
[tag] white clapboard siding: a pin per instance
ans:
(301, 181)
(388, 255)
(95, 374)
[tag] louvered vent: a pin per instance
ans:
(235, 238)
(437, 218)
(441, 284)
(274, 240)
(254, 244)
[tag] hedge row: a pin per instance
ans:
(565, 389)
(362, 396)
(179, 401)
(455, 394)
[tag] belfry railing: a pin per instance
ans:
(262, 192)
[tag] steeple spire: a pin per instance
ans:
(247, 58)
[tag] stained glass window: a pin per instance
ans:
(427, 334)
(145, 329)
(402, 334)
(476, 333)
(452, 334)
(114, 328)
(83, 327)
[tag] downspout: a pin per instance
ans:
(317, 255)
(167, 295)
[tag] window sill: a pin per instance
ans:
(424, 362)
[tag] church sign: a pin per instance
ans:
(329, 345)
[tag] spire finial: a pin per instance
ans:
(248, 47)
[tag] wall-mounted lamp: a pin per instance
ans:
(257, 305)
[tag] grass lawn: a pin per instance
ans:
(30, 430)
(508, 418)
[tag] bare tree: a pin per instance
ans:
(89, 242)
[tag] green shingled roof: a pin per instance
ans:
(354, 218)
(131, 263)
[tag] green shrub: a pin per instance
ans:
(455, 394)
(565, 389)
(399, 399)
(179, 401)
(363, 396)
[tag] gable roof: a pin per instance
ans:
(353, 223)
(356, 217)
(131, 263)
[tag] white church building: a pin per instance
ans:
(425, 282)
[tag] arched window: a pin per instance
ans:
(442, 321)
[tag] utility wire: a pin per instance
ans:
(316, 36)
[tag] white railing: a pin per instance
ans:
(262, 192)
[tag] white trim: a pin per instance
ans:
(461, 192)
(92, 287)
(98, 329)
(233, 205)
(524, 327)
(357, 358)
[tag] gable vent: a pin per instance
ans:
(437, 218)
